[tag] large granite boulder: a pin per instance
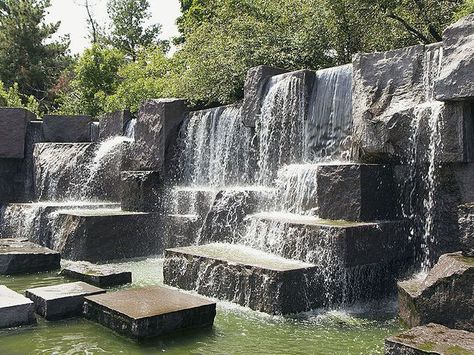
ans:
(112, 124)
(141, 190)
(67, 129)
(254, 91)
(445, 296)
(456, 80)
(155, 131)
(13, 125)
(466, 225)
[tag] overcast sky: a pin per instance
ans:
(73, 18)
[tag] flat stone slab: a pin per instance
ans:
(61, 301)
(150, 312)
(431, 339)
(15, 309)
(97, 275)
(18, 256)
(242, 275)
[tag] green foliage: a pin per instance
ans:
(12, 97)
(466, 9)
(28, 55)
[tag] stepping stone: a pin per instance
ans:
(18, 256)
(61, 301)
(430, 339)
(97, 275)
(15, 309)
(149, 312)
(249, 277)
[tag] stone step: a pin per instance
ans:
(98, 275)
(105, 235)
(18, 256)
(444, 296)
(430, 339)
(180, 229)
(15, 309)
(242, 275)
(149, 312)
(61, 301)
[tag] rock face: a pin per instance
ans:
(456, 78)
(97, 275)
(18, 256)
(141, 190)
(254, 90)
(445, 296)
(15, 309)
(242, 275)
(150, 312)
(466, 225)
(430, 339)
(112, 124)
(61, 301)
(155, 131)
(67, 129)
(13, 124)
(356, 192)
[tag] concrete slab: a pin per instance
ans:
(242, 275)
(61, 301)
(18, 256)
(150, 312)
(15, 309)
(430, 339)
(97, 275)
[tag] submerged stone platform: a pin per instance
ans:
(97, 275)
(15, 309)
(18, 256)
(242, 275)
(149, 312)
(61, 301)
(430, 339)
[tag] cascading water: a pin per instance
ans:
(130, 128)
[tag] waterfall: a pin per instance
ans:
(216, 148)
(130, 128)
(330, 114)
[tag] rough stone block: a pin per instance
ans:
(190, 200)
(141, 190)
(105, 235)
(112, 124)
(356, 192)
(67, 129)
(155, 131)
(254, 91)
(180, 230)
(430, 339)
(61, 301)
(150, 312)
(15, 309)
(466, 225)
(97, 275)
(455, 81)
(19, 256)
(445, 296)
(242, 275)
(13, 124)
(11, 180)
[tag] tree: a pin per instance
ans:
(28, 55)
(128, 32)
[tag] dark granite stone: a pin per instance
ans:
(249, 277)
(98, 275)
(180, 230)
(466, 225)
(15, 309)
(61, 301)
(13, 124)
(18, 256)
(141, 191)
(150, 312)
(112, 124)
(445, 296)
(430, 339)
(67, 129)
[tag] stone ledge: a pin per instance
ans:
(15, 309)
(97, 275)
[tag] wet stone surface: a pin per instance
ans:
(97, 275)
(15, 309)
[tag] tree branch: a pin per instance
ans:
(409, 28)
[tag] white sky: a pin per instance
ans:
(73, 18)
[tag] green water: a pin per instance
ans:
(236, 330)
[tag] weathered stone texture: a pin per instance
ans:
(142, 191)
(13, 125)
(456, 80)
(98, 275)
(430, 339)
(112, 124)
(15, 309)
(445, 296)
(466, 225)
(67, 129)
(254, 91)
(150, 312)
